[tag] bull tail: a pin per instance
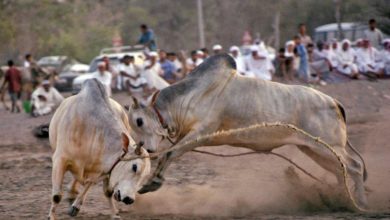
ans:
(365, 174)
(342, 111)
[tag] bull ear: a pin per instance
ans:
(125, 142)
(135, 103)
(137, 150)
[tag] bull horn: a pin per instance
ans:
(137, 150)
(135, 103)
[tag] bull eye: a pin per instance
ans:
(134, 168)
(140, 122)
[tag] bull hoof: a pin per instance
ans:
(73, 211)
(153, 186)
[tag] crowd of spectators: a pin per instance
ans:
(299, 60)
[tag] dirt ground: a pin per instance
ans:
(204, 187)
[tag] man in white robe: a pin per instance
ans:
(346, 58)
(104, 77)
(332, 53)
(194, 60)
(133, 81)
(257, 65)
(217, 49)
(152, 72)
(240, 63)
(366, 60)
(385, 57)
(45, 99)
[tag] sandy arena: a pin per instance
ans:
(205, 187)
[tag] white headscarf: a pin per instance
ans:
(286, 52)
(346, 41)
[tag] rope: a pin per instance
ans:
(199, 141)
(272, 153)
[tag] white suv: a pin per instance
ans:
(114, 54)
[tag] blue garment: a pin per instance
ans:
(169, 69)
(304, 62)
(148, 40)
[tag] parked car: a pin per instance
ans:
(56, 64)
(114, 54)
(65, 79)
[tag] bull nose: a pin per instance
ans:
(127, 200)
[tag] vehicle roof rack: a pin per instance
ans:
(123, 49)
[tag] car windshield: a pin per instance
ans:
(51, 61)
(114, 61)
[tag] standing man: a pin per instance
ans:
(193, 61)
(205, 53)
(305, 39)
(373, 34)
(303, 70)
(147, 38)
(240, 63)
(152, 73)
(104, 77)
(14, 79)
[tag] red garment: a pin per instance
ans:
(14, 78)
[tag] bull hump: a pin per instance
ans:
(95, 89)
(213, 69)
(217, 64)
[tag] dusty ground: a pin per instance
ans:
(204, 187)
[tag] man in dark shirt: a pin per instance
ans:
(14, 79)
(147, 38)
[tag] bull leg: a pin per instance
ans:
(157, 178)
(354, 169)
(75, 208)
(57, 176)
(108, 195)
(72, 191)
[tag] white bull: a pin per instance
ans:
(214, 98)
(89, 134)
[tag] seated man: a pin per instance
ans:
(332, 53)
(385, 57)
(318, 63)
(257, 64)
(346, 58)
(133, 81)
(366, 60)
(45, 99)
